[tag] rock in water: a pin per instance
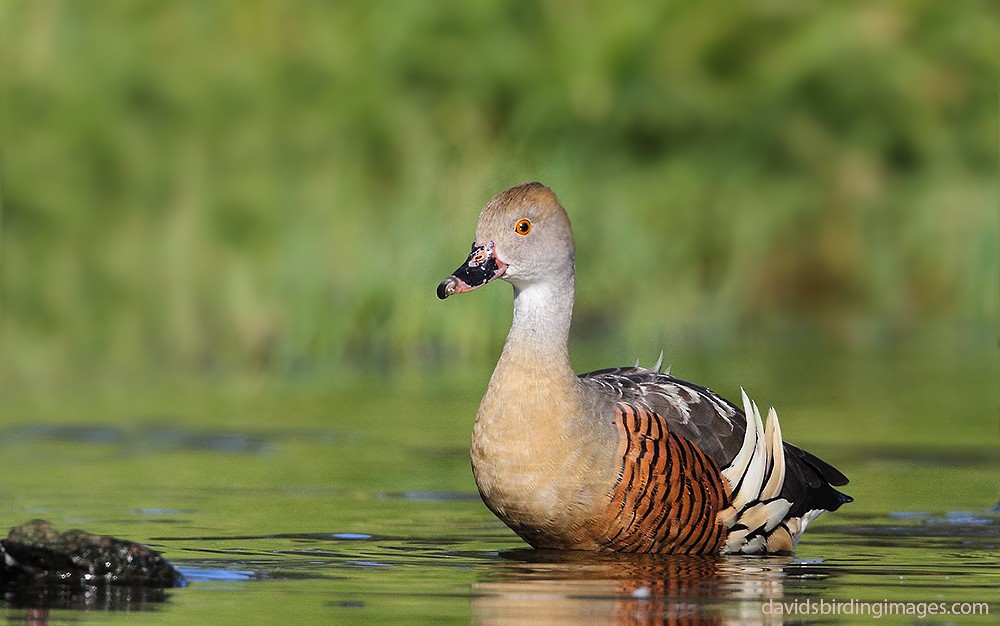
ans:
(37, 552)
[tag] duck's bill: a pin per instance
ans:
(481, 267)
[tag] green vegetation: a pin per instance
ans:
(281, 185)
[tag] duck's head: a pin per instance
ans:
(523, 236)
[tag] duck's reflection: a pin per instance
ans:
(553, 587)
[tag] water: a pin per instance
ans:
(314, 502)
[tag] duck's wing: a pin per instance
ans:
(694, 412)
(776, 488)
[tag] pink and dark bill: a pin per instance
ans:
(481, 267)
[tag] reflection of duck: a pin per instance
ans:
(553, 587)
(626, 459)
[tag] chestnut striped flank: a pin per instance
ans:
(668, 493)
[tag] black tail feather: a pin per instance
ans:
(810, 481)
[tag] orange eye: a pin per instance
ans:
(523, 227)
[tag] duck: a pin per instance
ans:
(623, 459)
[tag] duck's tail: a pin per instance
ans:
(771, 504)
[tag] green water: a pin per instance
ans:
(322, 499)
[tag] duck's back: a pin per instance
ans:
(690, 479)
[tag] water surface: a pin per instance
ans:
(308, 501)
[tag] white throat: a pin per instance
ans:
(539, 331)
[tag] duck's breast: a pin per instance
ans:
(541, 468)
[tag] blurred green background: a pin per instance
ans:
(278, 187)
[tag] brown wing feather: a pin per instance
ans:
(668, 492)
(692, 411)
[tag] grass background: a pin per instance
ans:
(278, 187)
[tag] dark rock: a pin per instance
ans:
(36, 552)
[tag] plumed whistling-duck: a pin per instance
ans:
(624, 459)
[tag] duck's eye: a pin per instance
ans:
(523, 227)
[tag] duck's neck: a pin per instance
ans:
(536, 349)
